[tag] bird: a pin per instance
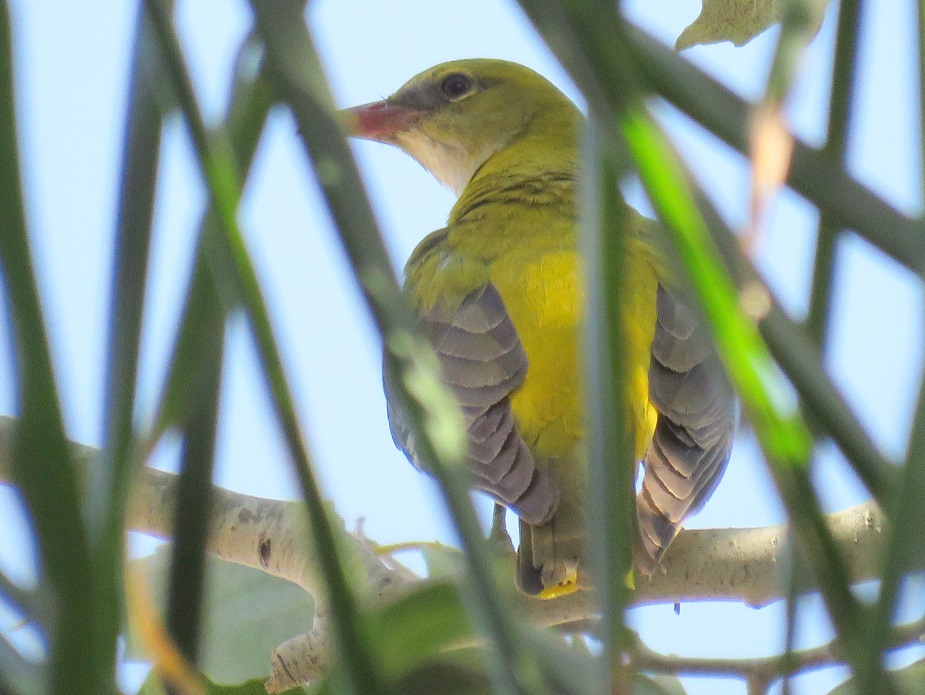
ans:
(499, 293)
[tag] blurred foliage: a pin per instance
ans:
(910, 681)
(152, 686)
(437, 637)
(246, 615)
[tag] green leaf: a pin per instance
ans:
(813, 173)
(909, 680)
(443, 561)
(42, 466)
(607, 74)
(738, 21)
(421, 625)
(419, 638)
(778, 425)
(611, 499)
(576, 668)
(661, 683)
(905, 537)
(843, 96)
(110, 480)
(236, 280)
(247, 614)
(801, 21)
(431, 410)
(248, 105)
(767, 400)
(152, 686)
(445, 677)
(194, 500)
(799, 358)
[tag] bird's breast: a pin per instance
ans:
(538, 274)
(544, 295)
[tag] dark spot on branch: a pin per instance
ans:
(282, 665)
(265, 551)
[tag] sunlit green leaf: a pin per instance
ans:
(767, 398)
(812, 174)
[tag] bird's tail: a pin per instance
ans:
(549, 555)
(697, 417)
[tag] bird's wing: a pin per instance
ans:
(697, 414)
(483, 362)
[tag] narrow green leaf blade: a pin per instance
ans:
(42, 467)
(812, 173)
(427, 404)
(766, 397)
(109, 482)
(611, 466)
(237, 282)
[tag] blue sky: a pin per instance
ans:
(72, 64)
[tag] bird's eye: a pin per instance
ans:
(456, 85)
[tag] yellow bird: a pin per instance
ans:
(499, 292)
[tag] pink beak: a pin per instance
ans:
(379, 120)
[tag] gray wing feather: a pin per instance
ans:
(483, 362)
(697, 416)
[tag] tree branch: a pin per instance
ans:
(762, 671)
(744, 564)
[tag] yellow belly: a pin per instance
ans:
(545, 298)
(540, 280)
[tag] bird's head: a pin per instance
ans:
(456, 115)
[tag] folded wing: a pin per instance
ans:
(484, 362)
(697, 416)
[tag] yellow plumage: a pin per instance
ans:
(500, 292)
(540, 282)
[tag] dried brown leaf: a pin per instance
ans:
(771, 152)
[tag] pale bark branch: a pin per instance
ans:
(744, 564)
(763, 670)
